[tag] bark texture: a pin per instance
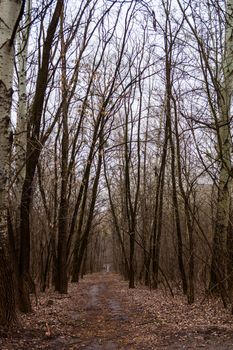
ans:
(218, 267)
(9, 11)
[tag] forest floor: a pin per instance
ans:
(101, 313)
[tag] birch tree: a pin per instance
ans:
(9, 12)
(218, 268)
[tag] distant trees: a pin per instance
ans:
(215, 57)
(182, 122)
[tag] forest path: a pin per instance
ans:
(101, 313)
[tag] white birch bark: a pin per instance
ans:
(225, 149)
(9, 11)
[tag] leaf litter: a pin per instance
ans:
(101, 312)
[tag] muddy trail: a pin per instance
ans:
(100, 313)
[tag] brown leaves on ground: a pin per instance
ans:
(102, 313)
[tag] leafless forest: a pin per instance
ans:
(115, 147)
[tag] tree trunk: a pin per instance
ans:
(157, 224)
(9, 10)
(62, 278)
(187, 211)
(218, 266)
(20, 140)
(34, 147)
(168, 69)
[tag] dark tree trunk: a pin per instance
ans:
(61, 278)
(7, 293)
(173, 171)
(32, 156)
(157, 225)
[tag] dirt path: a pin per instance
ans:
(101, 313)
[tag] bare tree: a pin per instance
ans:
(32, 155)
